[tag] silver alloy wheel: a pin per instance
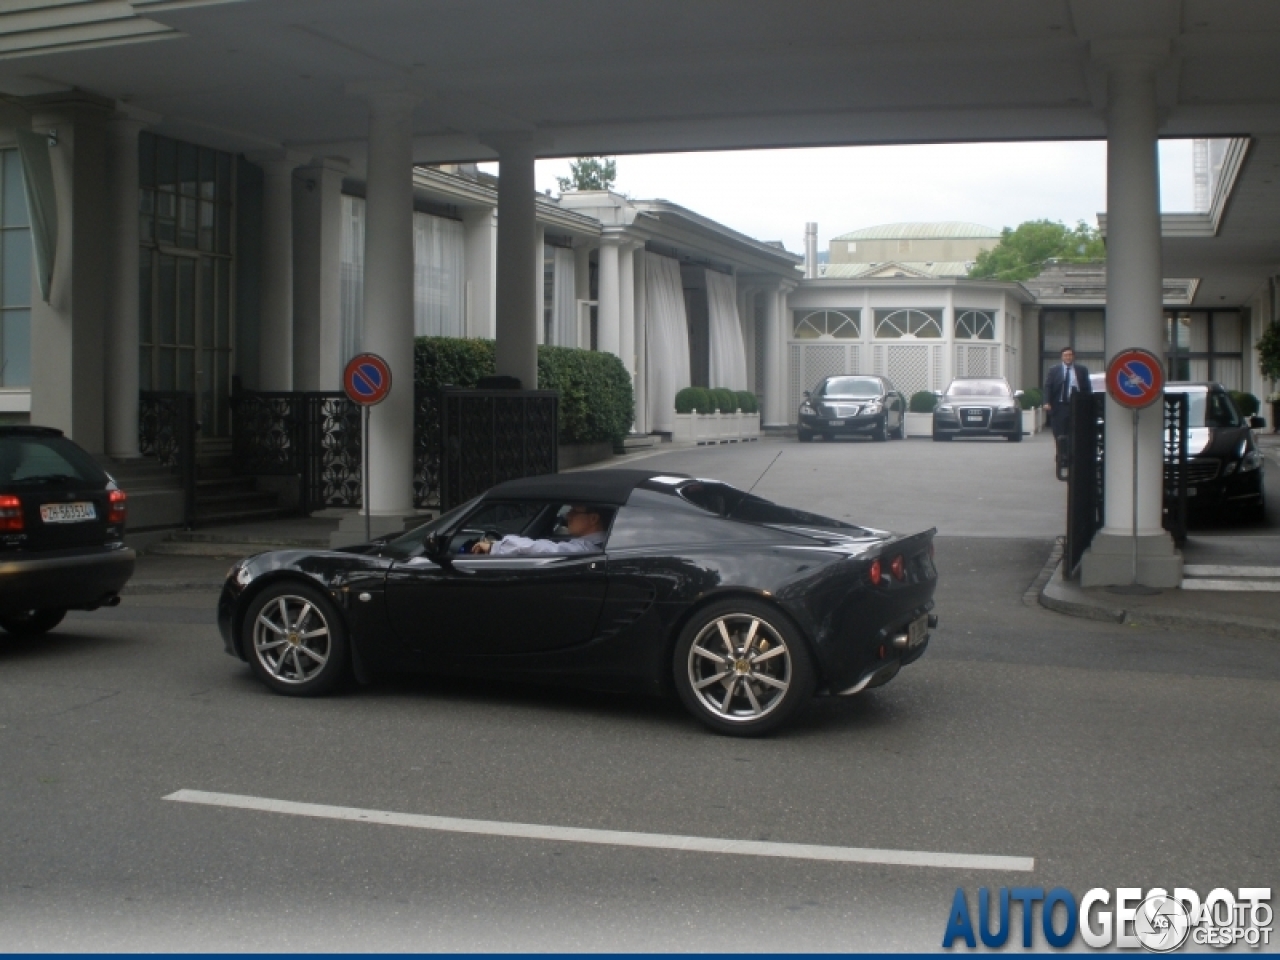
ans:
(739, 667)
(291, 639)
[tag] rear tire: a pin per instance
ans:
(742, 668)
(31, 623)
(1015, 437)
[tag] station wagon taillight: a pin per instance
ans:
(116, 510)
(10, 514)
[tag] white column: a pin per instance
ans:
(122, 315)
(1134, 319)
(540, 280)
(516, 350)
(627, 307)
(317, 278)
(481, 234)
(747, 317)
(640, 274)
(948, 341)
(582, 289)
(388, 301)
(275, 349)
(774, 386)
(609, 312)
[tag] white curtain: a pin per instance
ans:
(439, 277)
(727, 366)
(564, 315)
(352, 276)
(667, 351)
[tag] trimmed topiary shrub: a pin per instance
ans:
(1246, 403)
(923, 401)
(595, 389)
(747, 402)
(1031, 399)
(726, 401)
(693, 398)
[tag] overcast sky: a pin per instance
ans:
(770, 194)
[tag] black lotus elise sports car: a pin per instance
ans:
(741, 607)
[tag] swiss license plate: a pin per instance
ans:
(68, 512)
(976, 417)
(918, 630)
(835, 423)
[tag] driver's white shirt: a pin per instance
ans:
(513, 546)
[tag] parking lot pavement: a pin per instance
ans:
(972, 487)
(1111, 755)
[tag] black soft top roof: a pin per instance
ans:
(585, 486)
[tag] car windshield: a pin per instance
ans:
(410, 544)
(1211, 409)
(33, 460)
(851, 387)
(979, 388)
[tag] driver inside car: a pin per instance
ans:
(584, 523)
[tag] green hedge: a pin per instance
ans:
(1246, 403)
(747, 402)
(923, 401)
(1031, 399)
(726, 400)
(595, 389)
(693, 398)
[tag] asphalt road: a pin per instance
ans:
(1114, 756)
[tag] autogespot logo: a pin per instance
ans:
(1154, 920)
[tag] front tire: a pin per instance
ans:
(941, 438)
(1015, 437)
(31, 623)
(804, 436)
(881, 433)
(295, 641)
(742, 668)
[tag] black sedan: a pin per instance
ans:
(848, 406)
(61, 531)
(978, 407)
(741, 607)
(1224, 464)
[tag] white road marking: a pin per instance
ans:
(616, 838)
(1218, 570)
(1238, 586)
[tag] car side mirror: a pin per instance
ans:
(806, 394)
(1257, 423)
(937, 393)
(1018, 394)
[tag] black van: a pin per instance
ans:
(62, 523)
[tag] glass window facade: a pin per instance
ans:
(15, 275)
(186, 274)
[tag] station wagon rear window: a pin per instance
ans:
(35, 460)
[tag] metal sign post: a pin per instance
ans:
(1135, 379)
(366, 381)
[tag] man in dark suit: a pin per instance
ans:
(1062, 380)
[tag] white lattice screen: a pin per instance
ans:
(973, 360)
(810, 362)
(908, 366)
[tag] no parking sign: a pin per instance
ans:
(366, 379)
(1135, 378)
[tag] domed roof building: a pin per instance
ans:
(940, 249)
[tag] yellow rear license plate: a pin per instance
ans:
(68, 512)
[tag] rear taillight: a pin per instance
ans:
(898, 568)
(116, 510)
(875, 573)
(10, 514)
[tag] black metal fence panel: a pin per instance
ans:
(167, 430)
(489, 436)
(493, 436)
(1086, 481)
(1176, 413)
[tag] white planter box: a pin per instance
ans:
(1033, 420)
(694, 428)
(919, 424)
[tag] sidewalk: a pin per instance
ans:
(1243, 611)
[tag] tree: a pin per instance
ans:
(589, 173)
(1021, 253)
(1268, 347)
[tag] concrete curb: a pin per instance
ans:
(139, 588)
(1067, 598)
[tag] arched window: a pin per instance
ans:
(908, 322)
(828, 325)
(976, 325)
